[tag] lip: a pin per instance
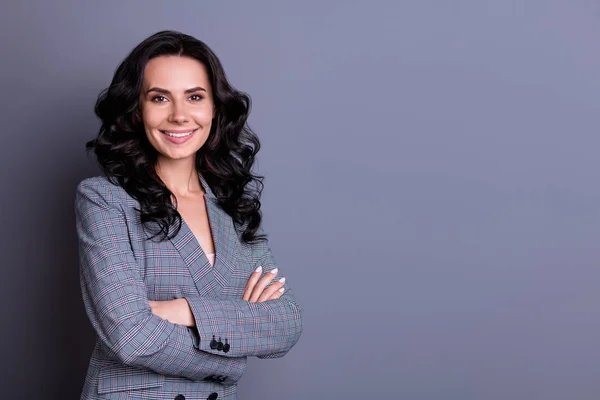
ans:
(179, 140)
(178, 130)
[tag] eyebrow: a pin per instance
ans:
(165, 91)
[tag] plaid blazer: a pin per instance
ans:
(138, 355)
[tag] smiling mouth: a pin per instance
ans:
(178, 134)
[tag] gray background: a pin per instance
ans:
(432, 188)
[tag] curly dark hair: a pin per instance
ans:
(225, 161)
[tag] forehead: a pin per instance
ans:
(175, 73)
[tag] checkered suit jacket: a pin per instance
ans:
(141, 356)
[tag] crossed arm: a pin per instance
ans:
(131, 328)
(178, 311)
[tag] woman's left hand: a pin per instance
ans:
(261, 289)
(176, 311)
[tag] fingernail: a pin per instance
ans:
(274, 271)
(282, 290)
(259, 269)
(282, 280)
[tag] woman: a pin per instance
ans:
(176, 274)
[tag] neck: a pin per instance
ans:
(180, 176)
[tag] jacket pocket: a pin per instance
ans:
(116, 378)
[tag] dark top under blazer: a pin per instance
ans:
(138, 355)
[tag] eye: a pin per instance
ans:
(196, 97)
(155, 98)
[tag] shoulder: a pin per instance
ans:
(102, 191)
(258, 244)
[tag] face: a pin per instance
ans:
(176, 105)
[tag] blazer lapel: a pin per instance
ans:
(222, 229)
(195, 260)
(209, 280)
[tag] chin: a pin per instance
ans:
(179, 156)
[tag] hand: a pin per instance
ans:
(257, 290)
(175, 311)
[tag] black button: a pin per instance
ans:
(226, 347)
(220, 345)
(213, 396)
(213, 343)
(180, 397)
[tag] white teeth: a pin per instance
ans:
(178, 135)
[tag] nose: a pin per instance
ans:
(178, 114)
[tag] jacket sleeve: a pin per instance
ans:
(266, 330)
(116, 302)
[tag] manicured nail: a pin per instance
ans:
(282, 290)
(259, 269)
(282, 280)
(274, 271)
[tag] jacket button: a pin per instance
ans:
(226, 347)
(213, 343)
(180, 397)
(220, 345)
(213, 396)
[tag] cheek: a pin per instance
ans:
(203, 115)
(153, 117)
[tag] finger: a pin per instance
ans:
(271, 290)
(277, 294)
(251, 283)
(262, 283)
(268, 292)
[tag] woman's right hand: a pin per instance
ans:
(258, 289)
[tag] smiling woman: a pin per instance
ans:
(177, 277)
(174, 110)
